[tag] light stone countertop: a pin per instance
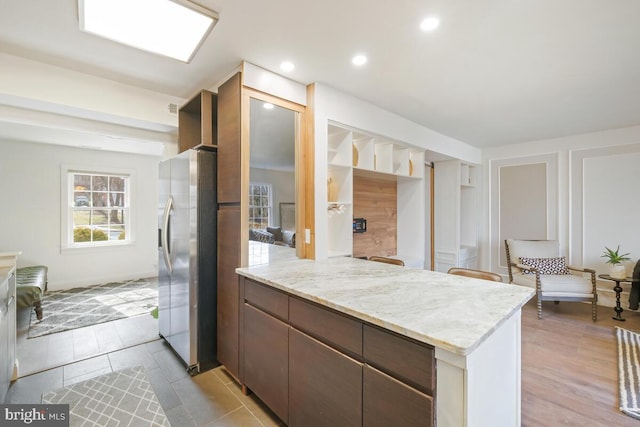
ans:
(264, 253)
(453, 313)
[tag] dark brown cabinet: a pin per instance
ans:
(314, 366)
(389, 402)
(266, 356)
(229, 223)
(229, 141)
(325, 385)
(197, 122)
(228, 295)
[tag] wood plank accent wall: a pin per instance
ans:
(376, 200)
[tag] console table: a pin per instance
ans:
(617, 288)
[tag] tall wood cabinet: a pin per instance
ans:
(229, 221)
(455, 215)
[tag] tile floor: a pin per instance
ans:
(211, 398)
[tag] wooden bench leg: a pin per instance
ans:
(37, 306)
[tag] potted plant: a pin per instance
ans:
(618, 271)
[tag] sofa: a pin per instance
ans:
(273, 236)
(31, 283)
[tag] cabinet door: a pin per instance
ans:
(266, 359)
(229, 148)
(228, 288)
(325, 386)
(389, 402)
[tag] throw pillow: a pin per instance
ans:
(277, 233)
(546, 265)
(289, 237)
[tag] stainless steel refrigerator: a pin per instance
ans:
(187, 258)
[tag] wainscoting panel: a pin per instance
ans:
(523, 202)
(605, 209)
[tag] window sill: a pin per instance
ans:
(114, 245)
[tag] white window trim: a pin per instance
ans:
(66, 203)
(270, 186)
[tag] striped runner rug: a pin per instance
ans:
(628, 370)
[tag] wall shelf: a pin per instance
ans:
(352, 153)
(456, 223)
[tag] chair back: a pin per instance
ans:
(477, 274)
(528, 248)
(387, 260)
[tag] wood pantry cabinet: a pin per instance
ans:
(229, 222)
(314, 366)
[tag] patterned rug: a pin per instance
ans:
(121, 398)
(80, 307)
(628, 369)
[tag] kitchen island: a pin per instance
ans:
(354, 342)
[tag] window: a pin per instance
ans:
(259, 205)
(98, 209)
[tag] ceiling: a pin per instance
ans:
(494, 72)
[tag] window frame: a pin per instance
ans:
(68, 207)
(269, 208)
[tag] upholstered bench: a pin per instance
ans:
(31, 283)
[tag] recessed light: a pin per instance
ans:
(169, 28)
(430, 23)
(287, 66)
(359, 60)
(267, 106)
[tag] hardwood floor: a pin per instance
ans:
(570, 366)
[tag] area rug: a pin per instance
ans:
(80, 307)
(628, 370)
(121, 398)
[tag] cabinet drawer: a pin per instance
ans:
(267, 299)
(407, 360)
(326, 325)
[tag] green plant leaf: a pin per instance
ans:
(614, 257)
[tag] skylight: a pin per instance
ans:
(174, 28)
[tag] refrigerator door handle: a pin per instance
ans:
(166, 250)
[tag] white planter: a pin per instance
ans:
(618, 271)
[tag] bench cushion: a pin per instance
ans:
(31, 282)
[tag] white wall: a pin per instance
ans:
(31, 213)
(592, 192)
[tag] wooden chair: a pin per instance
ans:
(548, 273)
(477, 274)
(387, 260)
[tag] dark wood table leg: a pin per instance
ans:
(618, 308)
